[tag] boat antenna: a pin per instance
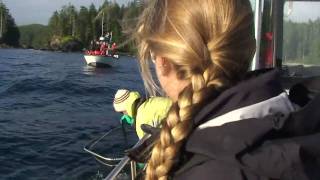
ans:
(102, 24)
(124, 132)
(1, 18)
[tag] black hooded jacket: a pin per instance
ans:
(253, 131)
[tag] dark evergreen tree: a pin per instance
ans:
(54, 24)
(9, 32)
(85, 25)
(94, 26)
(83, 22)
(302, 42)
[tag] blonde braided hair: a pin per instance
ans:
(210, 44)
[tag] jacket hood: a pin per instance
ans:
(256, 87)
(250, 126)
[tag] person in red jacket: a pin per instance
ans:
(103, 48)
(113, 49)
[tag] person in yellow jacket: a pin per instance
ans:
(137, 110)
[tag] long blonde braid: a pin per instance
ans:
(177, 125)
(210, 43)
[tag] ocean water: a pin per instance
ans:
(51, 105)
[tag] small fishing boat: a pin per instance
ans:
(101, 60)
(101, 57)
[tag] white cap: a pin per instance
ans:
(119, 100)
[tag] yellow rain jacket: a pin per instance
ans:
(152, 112)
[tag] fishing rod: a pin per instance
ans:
(124, 132)
(88, 148)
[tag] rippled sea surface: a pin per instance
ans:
(51, 105)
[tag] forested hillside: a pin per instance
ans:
(71, 25)
(301, 42)
(34, 36)
(9, 33)
(79, 26)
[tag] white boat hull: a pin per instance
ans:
(93, 60)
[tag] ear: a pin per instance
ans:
(164, 66)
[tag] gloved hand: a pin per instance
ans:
(142, 153)
(127, 119)
(153, 131)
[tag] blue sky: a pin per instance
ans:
(39, 11)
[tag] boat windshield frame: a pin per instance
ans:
(276, 22)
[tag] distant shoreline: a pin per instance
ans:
(4, 46)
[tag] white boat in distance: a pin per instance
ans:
(101, 61)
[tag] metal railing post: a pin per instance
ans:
(133, 170)
(258, 26)
(113, 174)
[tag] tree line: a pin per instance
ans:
(81, 26)
(301, 41)
(9, 32)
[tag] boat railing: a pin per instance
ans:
(118, 161)
(108, 161)
(115, 172)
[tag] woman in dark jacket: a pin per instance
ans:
(255, 131)
(224, 124)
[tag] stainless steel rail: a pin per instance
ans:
(113, 174)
